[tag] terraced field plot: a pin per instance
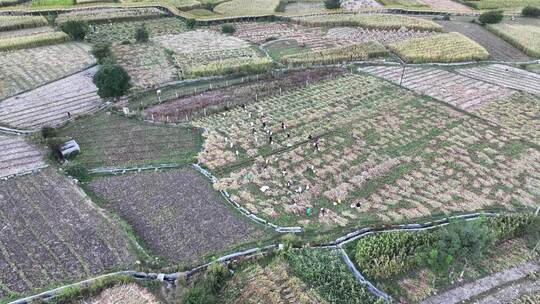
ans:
(216, 100)
(125, 294)
(519, 113)
(26, 32)
(498, 49)
(449, 47)
(382, 36)
(200, 41)
(446, 5)
(26, 69)
(122, 31)
(50, 104)
(147, 64)
(457, 90)
(110, 14)
(111, 140)
(359, 4)
(497, 4)
(269, 284)
(310, 37)
(524, 37)
(176, 213)
(377, 153)
(504, 76)
(53, 233)
(17, 156)
(304, 7)
(247, 7)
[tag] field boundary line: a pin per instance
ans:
(23, 173)
(123, 170)
(338, 244)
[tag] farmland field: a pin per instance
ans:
(359, 4)
(108, 15)
(247, 7)
(26, 69)
(216, 100)
(504, 76)
(446, 5)
(147, 64)
(54, 234)
(498, 49)
(494, 4)
(111, 140)
(26, 32)
(125, 294)
(373, 21)
(358, 34)
(176, 213)
(524, 37)
(450, 47)
(17, 156)
(50, 104)
(8, 23)
(373, 156)
(457, 90)
(121, 31)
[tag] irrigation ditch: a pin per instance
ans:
(258, 251)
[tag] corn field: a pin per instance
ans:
(23, 42)
(524, 37)
(358, 51)
(9, 23)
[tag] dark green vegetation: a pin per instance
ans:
(491, 17)
(205, 291)
(103, 53)
(112, 81)
(142, 34)
(332, 4)
(531, 11)
(228, 28)
(76, 29)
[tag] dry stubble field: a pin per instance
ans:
(176, 213)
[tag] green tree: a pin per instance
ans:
(531, 11)
(112, 81)
(491, 17)
(227, 28)
(76, 29)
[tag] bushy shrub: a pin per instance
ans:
(76, 29)
(190, 23)
(142, 34)
(491, 17)
(509, 226)
(531, 11)
(48, 132)
(112, 81)
(291, 240)
(228, 28)
(332, 4)
(205, 291)
(79, 172)
(103, 53)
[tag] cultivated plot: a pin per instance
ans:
(447, 5)
(359, 4)
(52, 234)
(383, 36)
(125, 294)
(498, 48)
(26, 32)
(458, 90)
(357, 149)
(109, 140)
(18, 156)
(176, 213)
(110, 14)
(53, 103)
(26, 69)
(148, 64)
(504, 76)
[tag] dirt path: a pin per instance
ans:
(484, 285)
(510, 292)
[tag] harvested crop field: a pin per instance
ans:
(123, 294)
(18, 156)
(519, 113)
(53, 234)
(358, 34)
(111, 140)
(457, 90)
(524, 37)
(359, 4)
(26, 32)
(26, 69)
(176, 213)
(447, 5)
(377, 153)
(122, 31)
(110, 14)
(504, 76)
(147, 64)
(200, 41)
(216, 100)
(50, 104)
(498, 48)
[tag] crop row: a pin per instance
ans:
(382, 36)
(372, 21)
(232, 66)
(504, 76)
(8, 23)
(450, 47)
(200, 41)
(70, 238)
(52, 103)
(22, 70)
(524, 37)
(16, 156)
(35, 40)
(353, 52)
